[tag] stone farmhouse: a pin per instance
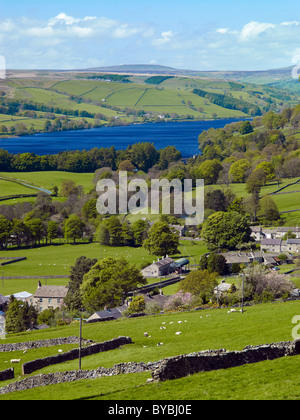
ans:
(164, 267)
(259, 233)
(46, 297)
(280, 246)
(159, 268)
(269, 259)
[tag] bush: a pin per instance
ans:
(153, 308)
(178, 302)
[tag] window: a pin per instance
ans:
(49, 300)
(58, 300)
(41, 300)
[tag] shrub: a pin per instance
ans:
(178, 302)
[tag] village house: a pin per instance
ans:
(223, 287)
(259, 233)
(46, 297)
(271, 245)
(23, 296)
(242, 258)
(159, 268)
(280, 246)
(292, 245)
(107, 314)
(269, 259)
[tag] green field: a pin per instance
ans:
(71, 91)
(260, 324)
(57, 259)
(46, 179)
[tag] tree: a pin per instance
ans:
(68, 187)
(52, 230)
(238, 170)
(139, 230)
(89, 210)
(20, 316)
(246, 128)
(199, 283)
(35, 228)
(82, 265)
(225, 230)
(137, 305)
(208, 171)
(5, 231)
(268, 209)
(167, 155)
(114, 228)
(102, 234)
(108, 282)
(162, 240)
(73, 227)
(126, 165)
(268, 169)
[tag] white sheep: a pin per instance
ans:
(162, 328)
(178, 333)
(60, 350)
(179, 322)
(160, 344)
(145, 334)
(15, 360)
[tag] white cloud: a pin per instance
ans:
(253, 29)
(164, 38)
(222, 30)
(290, 23)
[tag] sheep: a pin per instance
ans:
(159, 344)
(162, 328)
(15, 360)
(145, 334)
(178, 333)
(60, 350)
(179, 322)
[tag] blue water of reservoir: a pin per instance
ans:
(183, 135)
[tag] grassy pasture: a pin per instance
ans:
(260, 324)
(48, 179)
(58, 258)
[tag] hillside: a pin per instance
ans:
(90, 99)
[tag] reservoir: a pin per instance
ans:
(183, 135)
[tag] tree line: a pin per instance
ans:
(142, 156)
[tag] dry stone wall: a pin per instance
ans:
(37, 364)
(184, 365)
(75, 375)
(41, 343)
(7, 374)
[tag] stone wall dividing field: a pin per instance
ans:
(184, 365)
(7, 374)
(37, 364)
(41, 343)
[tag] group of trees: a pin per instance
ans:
(142, 156)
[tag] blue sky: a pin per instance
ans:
(190, 34)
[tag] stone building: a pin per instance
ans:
(159, 268)
(46, 297)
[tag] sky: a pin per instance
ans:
(185, 34)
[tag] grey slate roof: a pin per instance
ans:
(51, 291)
